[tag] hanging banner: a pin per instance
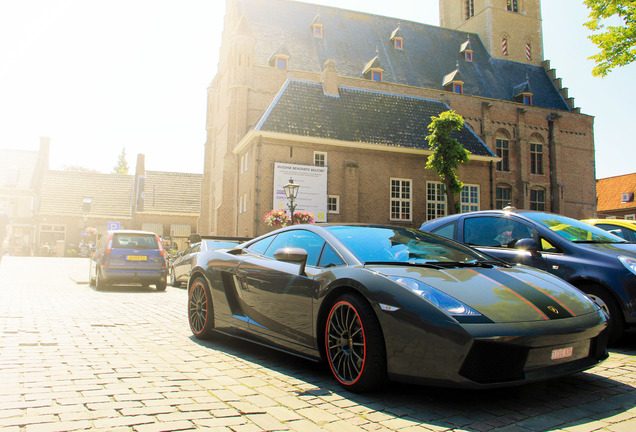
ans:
(312, 193)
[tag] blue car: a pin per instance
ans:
(598, 263)
(128, 256)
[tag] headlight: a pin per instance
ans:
(440, 299)
(628, 262)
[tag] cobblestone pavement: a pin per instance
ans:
(72, 358)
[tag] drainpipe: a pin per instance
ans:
(551, 152)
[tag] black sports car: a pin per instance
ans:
(382, 302)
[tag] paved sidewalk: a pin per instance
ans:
(72, 358)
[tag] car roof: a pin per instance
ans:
(130, 232)
(618, 222)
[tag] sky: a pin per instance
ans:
(100, 77)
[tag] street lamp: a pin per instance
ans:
(291, 192)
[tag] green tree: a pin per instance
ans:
(122, 165)
(615, 42)
(448, 153)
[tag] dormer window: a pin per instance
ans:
(627, 197)
(468, 56)
(374, 70)
(317, 27)
(397, 39)
(527, 99)
(280, 62)
(467, 50)
(453, 82)
(523, 93)
(512, 5)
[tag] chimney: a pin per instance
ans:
(139, 183)
(329, 78)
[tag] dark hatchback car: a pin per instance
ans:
(598, 263)
(128, 257)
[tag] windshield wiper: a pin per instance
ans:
(482, 264)
(433, 265)
(598, 241)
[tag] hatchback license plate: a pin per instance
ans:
(562, 353)
(136, 258)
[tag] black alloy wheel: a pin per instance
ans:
(354, 344)
(600, 296)
(200, 309)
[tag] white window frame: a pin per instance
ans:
(317, 156)
(469, 198)
(399, 198)
(435, 206)
(630, 217)
(335, 200)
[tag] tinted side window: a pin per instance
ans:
(261, 246)
(307, 240)
(613, 229)
(448, 230)
(494, 231)
(330, 257)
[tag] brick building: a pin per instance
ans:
(340, 101)
(617, 197)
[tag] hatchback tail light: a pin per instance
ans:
(109, 244)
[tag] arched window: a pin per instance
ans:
(537, 199)
(512, 5)
(502, 150)
(503, 196)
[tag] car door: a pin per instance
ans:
(277, 298)
(497, 235)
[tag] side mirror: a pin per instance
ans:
(528, 244)
(293, 255)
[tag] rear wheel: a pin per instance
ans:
(161, 286)
(99, 281)
(200, 309)
(91, 279)
(606, 301)
(354, 344)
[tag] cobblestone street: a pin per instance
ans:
(72, 358)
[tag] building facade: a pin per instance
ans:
(617, 197)
(301, 87)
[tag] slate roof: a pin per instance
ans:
(172, 193)
(302, 108)
(609, 192)
(63, 193)
(18, 169)
(351, 38)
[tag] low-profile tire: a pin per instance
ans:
(607, 302)
(200, 309)
(161, 286)
(173, 279)
(354, 344)
(100, 284)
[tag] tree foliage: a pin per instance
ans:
(122, 165)
(448, 153)
(617, 42)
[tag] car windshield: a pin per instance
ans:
(572, 229)
(380, 244)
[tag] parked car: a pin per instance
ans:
(600, 264)
(128, 256)
(380, 302)
(181, 266)
(623, 228)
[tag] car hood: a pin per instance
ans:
(610, 249)
(517, 294)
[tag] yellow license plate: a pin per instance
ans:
(136, 258)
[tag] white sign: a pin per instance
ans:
(312, 194)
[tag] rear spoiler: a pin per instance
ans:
(222, 238)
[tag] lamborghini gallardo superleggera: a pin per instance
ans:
(383, 303)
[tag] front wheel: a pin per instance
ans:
(173, 279)
(200, 309)
(600, 296)
(354, 344)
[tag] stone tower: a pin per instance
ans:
(509, 29)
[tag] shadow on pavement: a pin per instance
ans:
(549, 405)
